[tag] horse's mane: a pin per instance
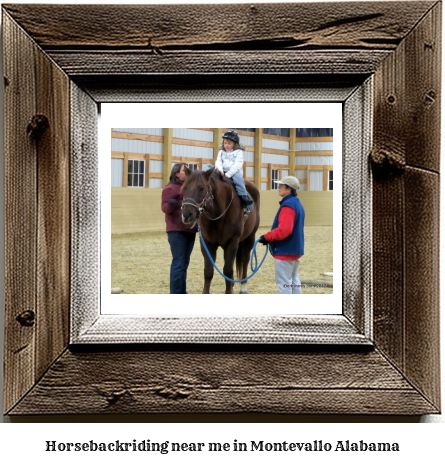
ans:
(192, 178)
(207, 175)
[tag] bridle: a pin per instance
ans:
(201, 206)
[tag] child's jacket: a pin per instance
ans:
(230, 162)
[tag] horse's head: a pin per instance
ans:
(197, 195)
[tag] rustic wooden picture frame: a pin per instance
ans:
(75, 57)
(198, 320)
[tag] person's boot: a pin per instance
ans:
(245, 201)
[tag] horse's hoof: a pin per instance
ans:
(243, 292)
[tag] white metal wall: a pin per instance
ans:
(156, 166)
(189, 151)
(316, 180)
(275, 144)
(314, 146)
(192, 151)
(156, 183)
(193, 134)
(117, 172)
(247, 141)
(137, 146)
(300, 174)
(314, 160)
(316, 176)
(274, 159)
(248, 156)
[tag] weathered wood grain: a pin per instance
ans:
(388, 273)
(53, 224)
(423, 91)
(219, 88)
(20, 213)
(407, 114)
(85, 211)
(221, 382)
(127, 62)
(258, 26)
(357, 209)
(39, 157)
(422, 322)
(109, 329)
(389, 157)
(106, 399)
(406, 132)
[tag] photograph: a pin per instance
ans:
(186, 200)
(181, 212)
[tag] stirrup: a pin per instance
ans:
(246, 213)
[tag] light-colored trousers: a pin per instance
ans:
(286, 276)
(240, 187)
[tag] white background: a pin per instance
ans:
(201, 115)
(25, 443)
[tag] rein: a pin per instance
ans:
(201, 209)
(255, 268)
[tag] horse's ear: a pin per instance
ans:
(207, 174)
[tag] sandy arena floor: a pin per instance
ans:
(140, 264)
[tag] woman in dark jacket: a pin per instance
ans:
(180, 237)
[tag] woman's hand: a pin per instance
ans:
(173, 203)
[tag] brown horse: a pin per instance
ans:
(211, 199)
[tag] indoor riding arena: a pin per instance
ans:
(141, 164)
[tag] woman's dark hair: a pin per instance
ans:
(293, 192)
(176, 169)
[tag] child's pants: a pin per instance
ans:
(240, 187)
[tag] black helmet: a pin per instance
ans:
(232, 135)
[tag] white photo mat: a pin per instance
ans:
(179, 115)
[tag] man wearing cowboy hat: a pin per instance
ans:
(286, 239)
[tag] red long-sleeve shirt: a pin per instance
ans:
(285, 227)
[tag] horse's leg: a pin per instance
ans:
(208, 266)
(229, 259)
(246, 249)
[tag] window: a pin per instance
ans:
(136, 170)
(193, 166)
(315, 132)
(274, 178)
(245, 129)
(284, 132)
(331, 181)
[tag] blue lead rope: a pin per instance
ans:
(253, 268)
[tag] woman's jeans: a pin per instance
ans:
(181, 246)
